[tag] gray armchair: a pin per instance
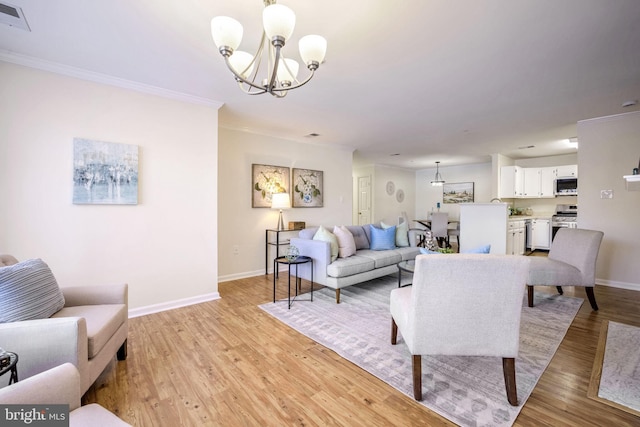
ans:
(462, 305)
(59, 385)
(571, 262)
(88, 332)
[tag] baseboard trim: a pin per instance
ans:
(247, 274)
(170, 305)
(621, 285)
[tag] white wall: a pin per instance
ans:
(609, 149)
(242, 226)
(427, 196)
(164, 247)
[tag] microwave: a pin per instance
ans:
(566, 186)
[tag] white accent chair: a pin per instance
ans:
(571, 262)
(59, 385)
(462, 305)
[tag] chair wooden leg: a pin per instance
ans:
(337, 296)
(394, 332)
(560, 291)
(417, 376)
(509, 370)
(592, 297)
(530, 295)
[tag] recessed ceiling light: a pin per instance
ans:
(312, 135)
(394, 154)
(524, 147)
(629, 103)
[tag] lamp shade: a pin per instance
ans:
(283, 71)
(278, 20)
(226, 31)
(312, 48)
(241, 62)
(280, 201)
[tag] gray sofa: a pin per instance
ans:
(365, 265)
(88, 331)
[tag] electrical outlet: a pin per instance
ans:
(606, 194)
(236, 250)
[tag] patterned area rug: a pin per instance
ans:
(615, 379)
(469, 391)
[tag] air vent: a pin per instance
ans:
(12, 16)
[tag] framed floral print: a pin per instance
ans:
(307, 188)
(265, 181)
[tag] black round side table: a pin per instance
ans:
(291, 262)
(11, 366)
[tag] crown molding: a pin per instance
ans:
(79, 73)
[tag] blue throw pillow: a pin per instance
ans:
(428, 252)
(479, 250)
(383, 239)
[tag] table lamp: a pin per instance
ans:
(280, 201)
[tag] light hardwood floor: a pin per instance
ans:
(227, 363)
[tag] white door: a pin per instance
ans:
(364, 200)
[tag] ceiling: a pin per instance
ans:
(404, 83)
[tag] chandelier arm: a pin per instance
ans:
(274, 74)
(240, 78)
(284, 89)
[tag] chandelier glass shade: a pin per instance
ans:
(438, 181)
(281, 73)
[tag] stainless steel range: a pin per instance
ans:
(566, 216)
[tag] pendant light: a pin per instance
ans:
(438, 181)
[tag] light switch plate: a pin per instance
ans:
(606, 194)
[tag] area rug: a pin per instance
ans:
(468, 391)
(615, 379)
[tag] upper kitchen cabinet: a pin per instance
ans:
(518, 182)
(511, 182)
(567, 171)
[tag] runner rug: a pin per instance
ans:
(468, 391)
(615, 379)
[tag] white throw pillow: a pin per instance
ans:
(346, 242)
(326, 236)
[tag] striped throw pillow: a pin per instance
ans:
(28, 291)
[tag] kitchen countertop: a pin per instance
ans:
(525, 217)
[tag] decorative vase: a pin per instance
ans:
(292, 253)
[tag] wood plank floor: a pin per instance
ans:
(227, 363)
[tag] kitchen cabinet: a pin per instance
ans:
(540, 234)
(516, 237)
(511, 182)
(565, 171)
(538, 182)
(517, 182)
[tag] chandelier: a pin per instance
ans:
(438, 181)
(281, 73)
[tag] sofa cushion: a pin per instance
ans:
(103, 320)
(408, 253)
(28, 291)
(343, 267)
(325, 235)
(359, 236)
(382, 239)
(346, 244)
(381, 258)
(485, 249)
(308, 233)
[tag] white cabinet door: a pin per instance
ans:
(516, 237)
(531, 182)
(547, 179)
(519, 242)
(567, 171)
(540, 234)
(511, 182)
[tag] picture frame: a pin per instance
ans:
(104, 173)
(459, 192)
(308, 191)
(265, 181)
